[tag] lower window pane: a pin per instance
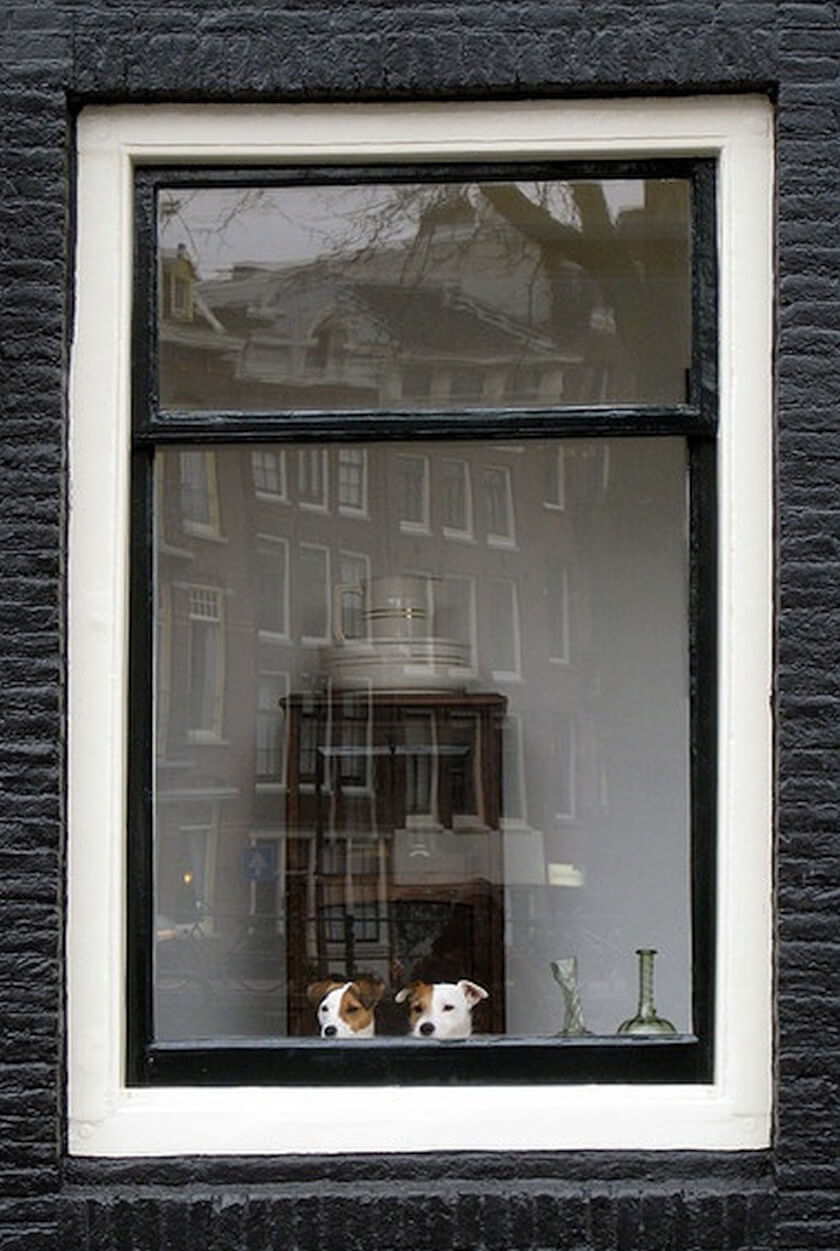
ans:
(455, 750)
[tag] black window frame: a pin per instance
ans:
(682, 1059)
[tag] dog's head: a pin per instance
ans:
(346, 1009)
(441, 1009)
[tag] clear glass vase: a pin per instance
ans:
(646, 1020)
(565, 974)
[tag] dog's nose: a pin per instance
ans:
(330, 1031)
(427, 1028)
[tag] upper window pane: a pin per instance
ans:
(463, 295)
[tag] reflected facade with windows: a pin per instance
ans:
(494, 782)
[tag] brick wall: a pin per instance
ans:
(56, 54)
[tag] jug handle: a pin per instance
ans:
(340, 590)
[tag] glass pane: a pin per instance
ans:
(461, 295)
(420, 732)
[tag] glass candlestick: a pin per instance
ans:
(646, 1020)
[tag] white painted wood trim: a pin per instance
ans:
(105, 1117)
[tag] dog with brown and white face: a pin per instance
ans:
(346, 1009)
(441, 1010)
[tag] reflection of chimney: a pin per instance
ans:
(179, 274)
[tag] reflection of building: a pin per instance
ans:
(476, 311)
(314, 338)
(466, 315)
(252, 542)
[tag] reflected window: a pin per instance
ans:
(349, 605)
(272, 689)
(513, 775)
(206, 663)
(413, 486)
(313, 592)
(498, 502)
(199, 492)
(456, 498)
(312, 477)
(555, 479)
(273, 587)
(502, 623)
(269, 469)
(557, 608)
(563, 758)
(352, 480)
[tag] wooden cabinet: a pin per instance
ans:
(394, 851)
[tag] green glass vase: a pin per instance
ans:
(646, 1020)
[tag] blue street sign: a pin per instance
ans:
(260, 862)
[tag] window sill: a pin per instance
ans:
(260, 1121)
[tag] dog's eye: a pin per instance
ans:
(449, 1007)
(351, 1007)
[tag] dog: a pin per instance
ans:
(441, 1010)
(346, 1009)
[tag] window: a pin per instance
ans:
(272, 596)
(503, 627)
(405, 718)
(205, 666)
(413, 486)
(557, 609)
(498, 502)
(685, 459)
(199, 492)
(555, 480)
(313, 596)
(269, 470)
(456, 499)
(272, 689)
(352, 481)
(312, 478)
(349, 617)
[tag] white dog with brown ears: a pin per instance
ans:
(441, 1010)
(346, 1009)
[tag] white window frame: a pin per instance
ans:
(732, 1112)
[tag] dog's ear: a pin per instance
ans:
(315, 991)
(406, 992)
(369, 990)
(472, 992)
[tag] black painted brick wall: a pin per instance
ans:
(56, 55)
